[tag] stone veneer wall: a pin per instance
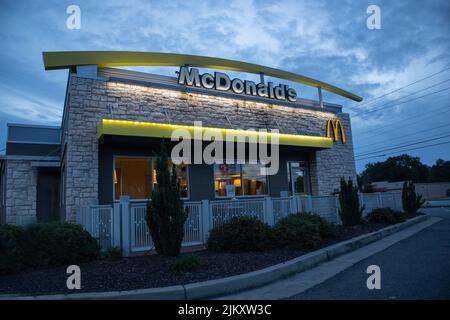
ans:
(92, 100)
(21, 179)
(330, 165)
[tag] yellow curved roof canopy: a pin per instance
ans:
(70, 59)
(164, 130)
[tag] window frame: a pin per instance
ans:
(306, 183)
(242, 184)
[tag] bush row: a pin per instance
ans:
(46, 244)
(385, 215)
(296, 231)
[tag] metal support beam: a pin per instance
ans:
(320, 97)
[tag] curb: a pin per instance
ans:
(436, 203)
(222, 286)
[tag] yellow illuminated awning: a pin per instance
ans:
(164, 130)
(70, 59)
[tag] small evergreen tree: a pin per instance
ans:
(410, 199)
(165, 212)
(350, 211)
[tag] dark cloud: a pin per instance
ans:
(327, 40)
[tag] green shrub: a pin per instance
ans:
(327, 229)
(15, 249)
(350, 211)
(385, 215)
(59, 244)
(187, 263)
(46, 244)
(302, 231)
(410, 199)
(112, 254)
(241, 234)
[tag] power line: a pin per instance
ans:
(397, 104)
(418, 91)
(447, 125)
(396, 90)
(405, 96)
(403, 145)
(417, 148)
(402, 121)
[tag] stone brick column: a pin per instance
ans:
(21, 180)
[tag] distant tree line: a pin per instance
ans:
(404, 168)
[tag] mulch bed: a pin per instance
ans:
(148, 271)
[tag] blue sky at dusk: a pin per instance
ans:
(325, 40)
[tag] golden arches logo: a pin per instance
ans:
(336, 125)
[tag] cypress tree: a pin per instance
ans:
(410, 199)
(166, 214)
(350, 211)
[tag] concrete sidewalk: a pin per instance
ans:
(305, 280)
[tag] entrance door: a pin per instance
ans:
(47, 204)
(297, 177)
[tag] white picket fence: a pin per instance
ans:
(124, 223)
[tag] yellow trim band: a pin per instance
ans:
(163, 130)
(70, 59)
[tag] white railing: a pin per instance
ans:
(281, 208)
(99, 222)
(193, 231)
(224, 210)
(372, 201)
(124, 224)
(327, 207)
(141, 239)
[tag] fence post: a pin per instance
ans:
(294, 208)
(206, 219)
(81, 215)
(268, 212)
(116, 230)
(125, 218)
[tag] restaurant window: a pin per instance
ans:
(297, 177)
(232, 180)
(182, 173)
(255, 183)
(132, 177)
(136, 177)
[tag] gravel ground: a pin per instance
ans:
(148, 271)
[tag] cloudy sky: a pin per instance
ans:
(326, 40)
